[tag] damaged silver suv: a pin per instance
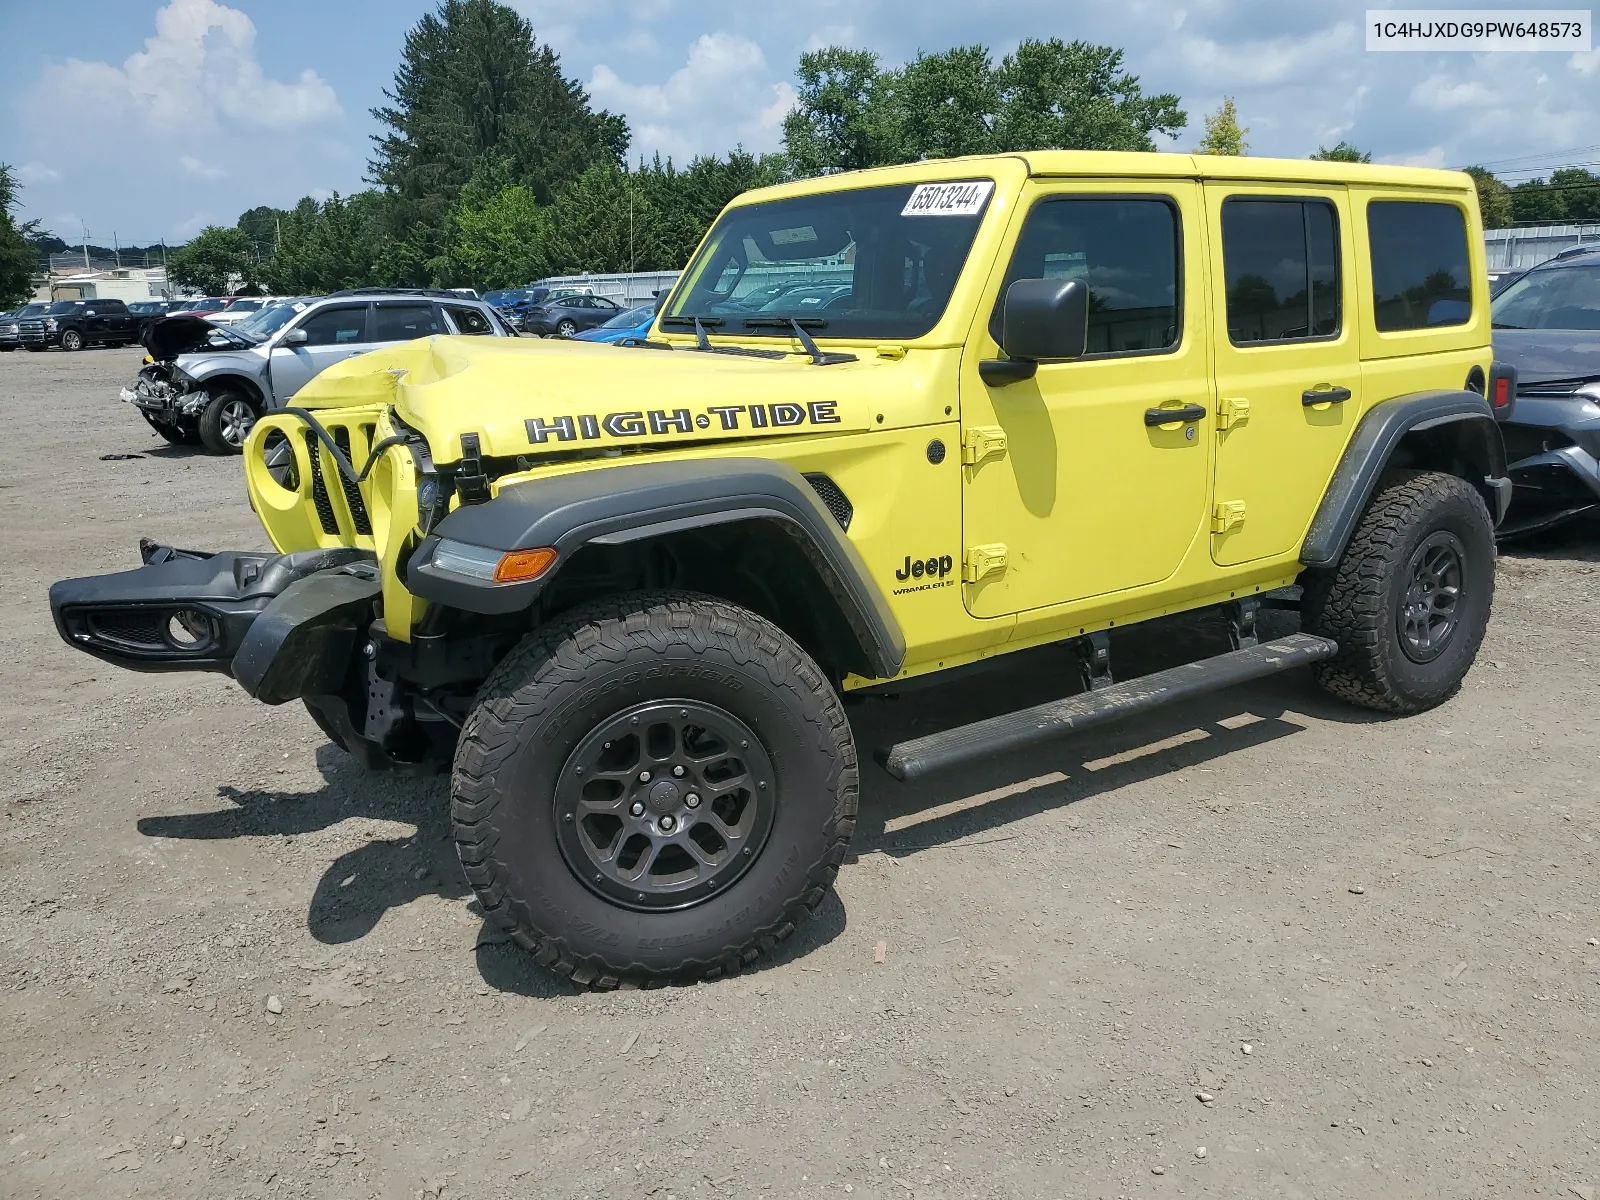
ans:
(207, 384)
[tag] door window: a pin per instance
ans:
(1124, 249)
(336, 326)
(403, 322)
(1420, 275)
(468, 320)
(1281, 265)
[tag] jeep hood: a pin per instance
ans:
(523, 396)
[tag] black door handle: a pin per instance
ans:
(1333, 395)
(1166, 416)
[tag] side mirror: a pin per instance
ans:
(662, 297)
(295, 337)
(1043, 320)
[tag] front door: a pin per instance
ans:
(332, 335)
(1075, 485)
(1287, 363)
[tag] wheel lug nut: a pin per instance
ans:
(678, 771)
(637, 809)
(668, 823)
(692, 800)
(644, 776)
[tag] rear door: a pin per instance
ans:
(1288, 367)
(333, 334)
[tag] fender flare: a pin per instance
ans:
(1463, 415)
(615, 505)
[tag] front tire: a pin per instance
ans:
(226, 422)
(1409, 600)
(653, 788)
(71, 340)
(178, 435)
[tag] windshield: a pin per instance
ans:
(61, 306)
(1554, 298)
(869, 263)
(31, 310)
(244, 306)
(628, 318)
(270, 319)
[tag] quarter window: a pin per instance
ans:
(1125, 250)
(336, 326)
(1281, 269)
(1420, 274)
(468, 320)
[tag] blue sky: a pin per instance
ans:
(152, 118)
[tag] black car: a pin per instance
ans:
(1547, 325)
(74, 324)
(566, 315)
(11, 325)
(149, 311)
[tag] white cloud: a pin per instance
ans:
(1587, 63)
(193, 166)
(1448, 91)
(194, 223)
(36, 172)
(199, 66)
(724, 95)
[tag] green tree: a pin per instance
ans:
(941, 105)
(477, 98)
(339, 243)
(685, 202)
(1224, 134)
(1579, 192)
(1494, 198)
(1057, 95)
(835, 123)
(19, 261)
(213, 262)
(1343, 152)
(602, 222)
(1535, 202)
(501, 242)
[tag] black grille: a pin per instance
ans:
(130, 627)
(836, 501)
(319, 490)
(352, 494)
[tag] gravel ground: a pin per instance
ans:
(1258, 945)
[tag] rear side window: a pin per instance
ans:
(468, 320)
(1124, 249)
(336, 326)
(1281, 266)
(1419, 265)
(403, 322)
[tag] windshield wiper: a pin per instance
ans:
(704, 343)
(819, 356)
(1502, 325)
(692, 322)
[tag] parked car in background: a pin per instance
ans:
(564, 316)
(207, 384)
(515, 303)
(11, 326)
(631, 323)
(204, 306)
(239, 308)
(148, 311)
(74, 324)
(1547, 325)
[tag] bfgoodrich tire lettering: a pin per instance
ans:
(1415, 525)
(564, 681)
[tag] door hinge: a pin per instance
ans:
(1231, 411)
(981, 560)
(1227, 515)
(979, 442)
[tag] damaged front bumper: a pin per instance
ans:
(166, 401)
(277, 622)
(1554, 444)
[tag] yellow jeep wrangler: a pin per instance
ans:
(886, 424)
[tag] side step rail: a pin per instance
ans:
(910, 760)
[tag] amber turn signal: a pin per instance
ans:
(521, 565)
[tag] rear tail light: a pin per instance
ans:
(1502, 389)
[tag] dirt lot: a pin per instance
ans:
(1262, 945)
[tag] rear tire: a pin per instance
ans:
(226, 422)
(1409, 600)
(749, 757)
(566, 328)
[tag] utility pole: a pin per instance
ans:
(116, 249)
(277, 238)
(85, 229)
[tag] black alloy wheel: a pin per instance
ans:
(1428, 614)
(664, 804)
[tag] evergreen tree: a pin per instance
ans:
(476, 97)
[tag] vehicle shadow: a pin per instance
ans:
(1577, 540)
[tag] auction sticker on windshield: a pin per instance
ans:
(963, 199)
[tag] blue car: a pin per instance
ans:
(631, 323)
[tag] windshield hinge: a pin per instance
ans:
(472, 485)
(979, 442)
